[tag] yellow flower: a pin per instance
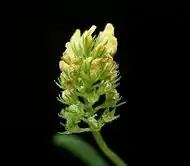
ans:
(98, 63)
(70, 61)
(108, 36)
(68, 55)
(63, 66)
(65, 94)
(68, 67)
(75, 39)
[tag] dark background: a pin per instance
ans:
(151, 45)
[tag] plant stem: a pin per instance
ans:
(107, 151)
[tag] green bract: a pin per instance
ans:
(89, 71)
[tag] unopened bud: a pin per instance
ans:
(93, 123)
(66, 94)
(108, 86)
(91, 30)
(63, 66)
(76, 36)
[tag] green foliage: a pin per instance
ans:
(80, 149)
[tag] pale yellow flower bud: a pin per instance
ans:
(108, 36)
(88, 34)
(112, 46)
(100, 47)
(109, 29)
(63, 66)
(66, 81)
(66, 94)
(69, 55)
(91, 30)
(98, 62)
(95, 68)
(76, 37)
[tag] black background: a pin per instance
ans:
(151, 45)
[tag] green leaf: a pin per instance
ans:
(80, 149)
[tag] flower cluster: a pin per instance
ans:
(87, 72)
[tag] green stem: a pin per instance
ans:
(107, 151)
